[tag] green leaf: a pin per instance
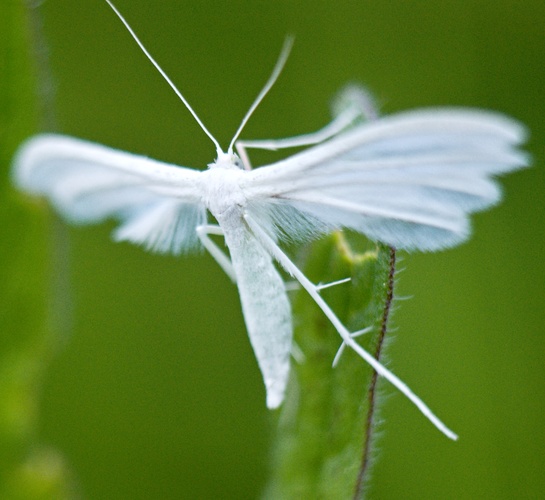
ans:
(325, 428)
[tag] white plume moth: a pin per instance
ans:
(409, 180)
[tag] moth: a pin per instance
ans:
(409, 180)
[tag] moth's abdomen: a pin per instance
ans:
(266, 308)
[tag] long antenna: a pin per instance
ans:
(165, 76)
(282, 58)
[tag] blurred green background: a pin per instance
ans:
(153, 391)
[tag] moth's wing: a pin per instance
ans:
(158, 204)
(409, 180)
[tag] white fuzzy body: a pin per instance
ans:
(265, 305)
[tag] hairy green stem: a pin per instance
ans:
(372, 393)
(324, 433)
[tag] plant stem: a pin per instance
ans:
(372, 393)
(318, 452)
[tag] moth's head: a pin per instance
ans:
(227, 160)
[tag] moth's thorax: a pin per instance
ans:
(222, 187)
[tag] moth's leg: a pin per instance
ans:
(292, 286)
(291, 268)
(297, 354)
(339, 123)
(358, 99)
(337, 357)
(322, 286)
(353, 103)
(214, 250)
